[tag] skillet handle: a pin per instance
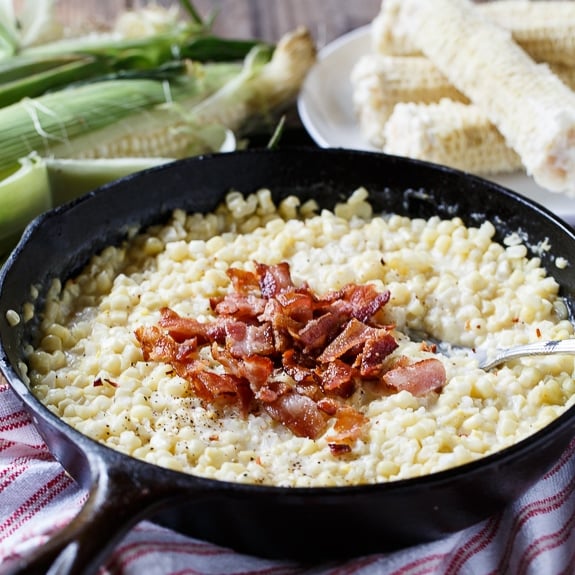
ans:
(116, 502)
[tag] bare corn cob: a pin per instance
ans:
(545, 28)
(566, 74)
(379, 82)
(530, 106)
(449, 133)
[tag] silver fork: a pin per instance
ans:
(550, 347)
(547, 347)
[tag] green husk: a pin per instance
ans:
(53, 123)
(8, 32)
(69, 179)
(32, 67)
(40, 82)
(23, 196)
(269, 82)
(124, 91)
(42, 183)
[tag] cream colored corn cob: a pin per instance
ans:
(544, 29)
(565, 73)
(530, 106)
(449, 133)
(379, 82)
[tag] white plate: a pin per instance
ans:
(326, 111)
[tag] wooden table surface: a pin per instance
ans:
(263, 19)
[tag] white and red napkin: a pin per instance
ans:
(535, 536)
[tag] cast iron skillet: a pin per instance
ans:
(268, 521)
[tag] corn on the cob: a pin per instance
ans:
(258, 91)
(65, 123)
(379, 82)
(543, 28)
(176, 130)
(530, 106)
(450, 133)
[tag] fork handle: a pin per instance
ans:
(550, 347)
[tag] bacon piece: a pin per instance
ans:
(156, 344)
(239, 306)
(348, 427)
(182, 328)
(298, 305)
(274, 279)
(274, 313)
(354, 335)
(353, 300)
(298, 366)
(256, 369)
(338, 449)
(363, 301)
(375, 350)
(243, 339)
(417, 378)
(337, 378)
(328, 405)
(243, 281)
(320, 331)
(270, 392)
(299, 414)
(225, 388)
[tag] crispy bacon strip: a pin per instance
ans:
(183, 328)
(240, 306)
(354, 335)
(299, 414)
(348, 427)
(417, 378)
(274, 280)
(156, 344)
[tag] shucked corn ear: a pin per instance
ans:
(545, 29)
(449, 133)
(530, 106)
(379, 82)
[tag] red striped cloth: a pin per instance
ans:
(535, 536)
